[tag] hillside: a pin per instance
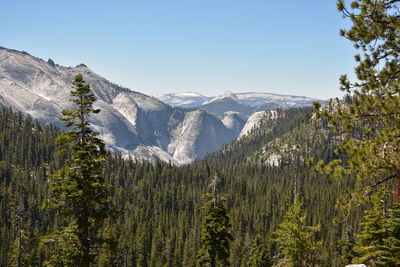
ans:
(159, 205)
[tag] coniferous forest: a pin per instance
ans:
(314, 186)
(158, 217)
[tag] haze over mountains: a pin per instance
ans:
(133, 123)
(244, 104)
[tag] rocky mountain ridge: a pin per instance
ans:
(137, 125)
(244, 104)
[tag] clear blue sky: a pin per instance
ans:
(209, 46)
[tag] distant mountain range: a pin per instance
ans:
(244, 104)
(137, 125)
(132, 123)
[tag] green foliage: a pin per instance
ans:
(78, 191)
(159, 219)
(22, 251)
(109, 251)
(259, 254)
(295, 239)
(392, 241)
(370, 122)
(215, 235)
(379, 242)
(159, 204)
(64, 247)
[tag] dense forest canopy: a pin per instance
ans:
(158, 218)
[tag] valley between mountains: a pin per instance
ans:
(183, 128)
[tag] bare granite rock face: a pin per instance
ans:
(137, 125)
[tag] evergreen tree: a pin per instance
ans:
(392, 242)
(259, 254)
(214, 235)
(295, 239)
(370, 122)
(111, 248)
(379, 242)
(369, 245)
(78, 191)
(22, 252)
(160, 203)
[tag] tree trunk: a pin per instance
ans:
(85, 241)
(213, 262)
(398, 179)
(19, 248)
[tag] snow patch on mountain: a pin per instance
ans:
(253, 99)
(185, 100)
(257, 99)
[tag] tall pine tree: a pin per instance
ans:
(214, 235)
(295, 239)
(370, 123)
(78, 191)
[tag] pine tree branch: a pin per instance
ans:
(373, 186)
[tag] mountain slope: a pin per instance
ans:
(158, 204)
(186, 147)
(255, 120)
(275, 138)
(130, 122)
